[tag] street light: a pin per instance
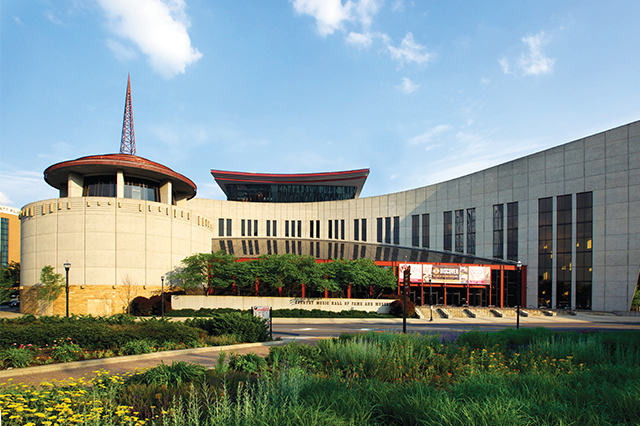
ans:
(162, 278)
(67, 265)
(518, 298)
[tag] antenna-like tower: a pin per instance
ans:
(128, 142)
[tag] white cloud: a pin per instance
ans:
(410, 51)
(158, 28)
(4, 199)
(120, 51)
(397, 6)
(329, 14)
(18, 21)
(26, 187)
(429, 134)
(484, 80)
(535, 62)
(51, 17)
(359, 40)
(408, 86)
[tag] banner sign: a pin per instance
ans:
(477, 275)
(262, 312)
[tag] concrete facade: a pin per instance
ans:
(106, 239)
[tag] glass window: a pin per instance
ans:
(447, 232)
(356, 229)
(299, 229)
(460, 231)
(255, 228)
(99, 186)
(512, 231)
(425, 230)
(268, 228)
(286, 228)
(141, 189)
(228, 227)
(330, 229)
(335, 222)
(267, 193)
(396, 230)
(471, 231)
(584, 249)
(242, 230)
(275, 233)
(564, 259)
(379, 230)
(342, 229)
(498, 231)
(415, 230)
(364, 231)
(545, 252)
(220, 227)
(311, 233)
(387, 230)
(317, 229)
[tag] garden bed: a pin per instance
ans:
(523, 377)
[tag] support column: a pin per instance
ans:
(120, 184)
(166, 192)
(444, 301)
(303, 291)
(326, 293)
(75, 184)
(257, 286)
(502, 287)
(421, 294)
(349, 291)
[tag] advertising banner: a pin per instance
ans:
(479, 275)
(416, 272)
(446, 274)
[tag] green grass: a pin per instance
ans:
(525, 377)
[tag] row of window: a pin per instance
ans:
(564, 229)
(388, 234)
(134, 188)
(4, 242)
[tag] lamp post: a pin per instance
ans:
(519, 296)
(430, 298)
(162, 278)
(405, 290)
(67, 265)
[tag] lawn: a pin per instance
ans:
(524, 377)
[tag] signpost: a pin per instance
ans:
(407, 278)
(265, 313)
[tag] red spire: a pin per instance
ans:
(128, 142)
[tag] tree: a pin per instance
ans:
(50, 287)
(9, 281)
(129, 292)
(211, 270)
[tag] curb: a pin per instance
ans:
(128, 358)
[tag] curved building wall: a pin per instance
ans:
(106, 240)
(607, 165)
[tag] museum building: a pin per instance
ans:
(570, 214)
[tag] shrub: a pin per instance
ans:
(136, 347)
(66, 352)
(395, 308)
(174, 374)
(17, 357)
(247, 327)
(249, 363)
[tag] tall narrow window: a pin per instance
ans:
(447, 231)
(299, 230)
(512, 231)
(317, 229)
(564, 259)
(311, 231)
(364, 231)
(286, 228)
(336, 229)
(460, 231)
(268, 228)
(356, 229)
(545, 251)
(242, 228)
(425, 230)
(293, 228)
(498, 231)
(255, 228)
(379, 230)
(396, 230)
(249, 227)
(471, 231)
(387, 230)
(330, 228)
(275, 231)
(342, 229)
(220, 227)
(228, 227)
(415, 230)
(584, 249)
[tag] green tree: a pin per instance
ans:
(211, 270)
(50, 287)
(9, 281)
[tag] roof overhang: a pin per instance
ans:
(354, 178)
(57, 174)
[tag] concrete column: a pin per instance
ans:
(166, 191)
(120, 184)
(75, 183)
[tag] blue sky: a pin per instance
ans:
(417, 91)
